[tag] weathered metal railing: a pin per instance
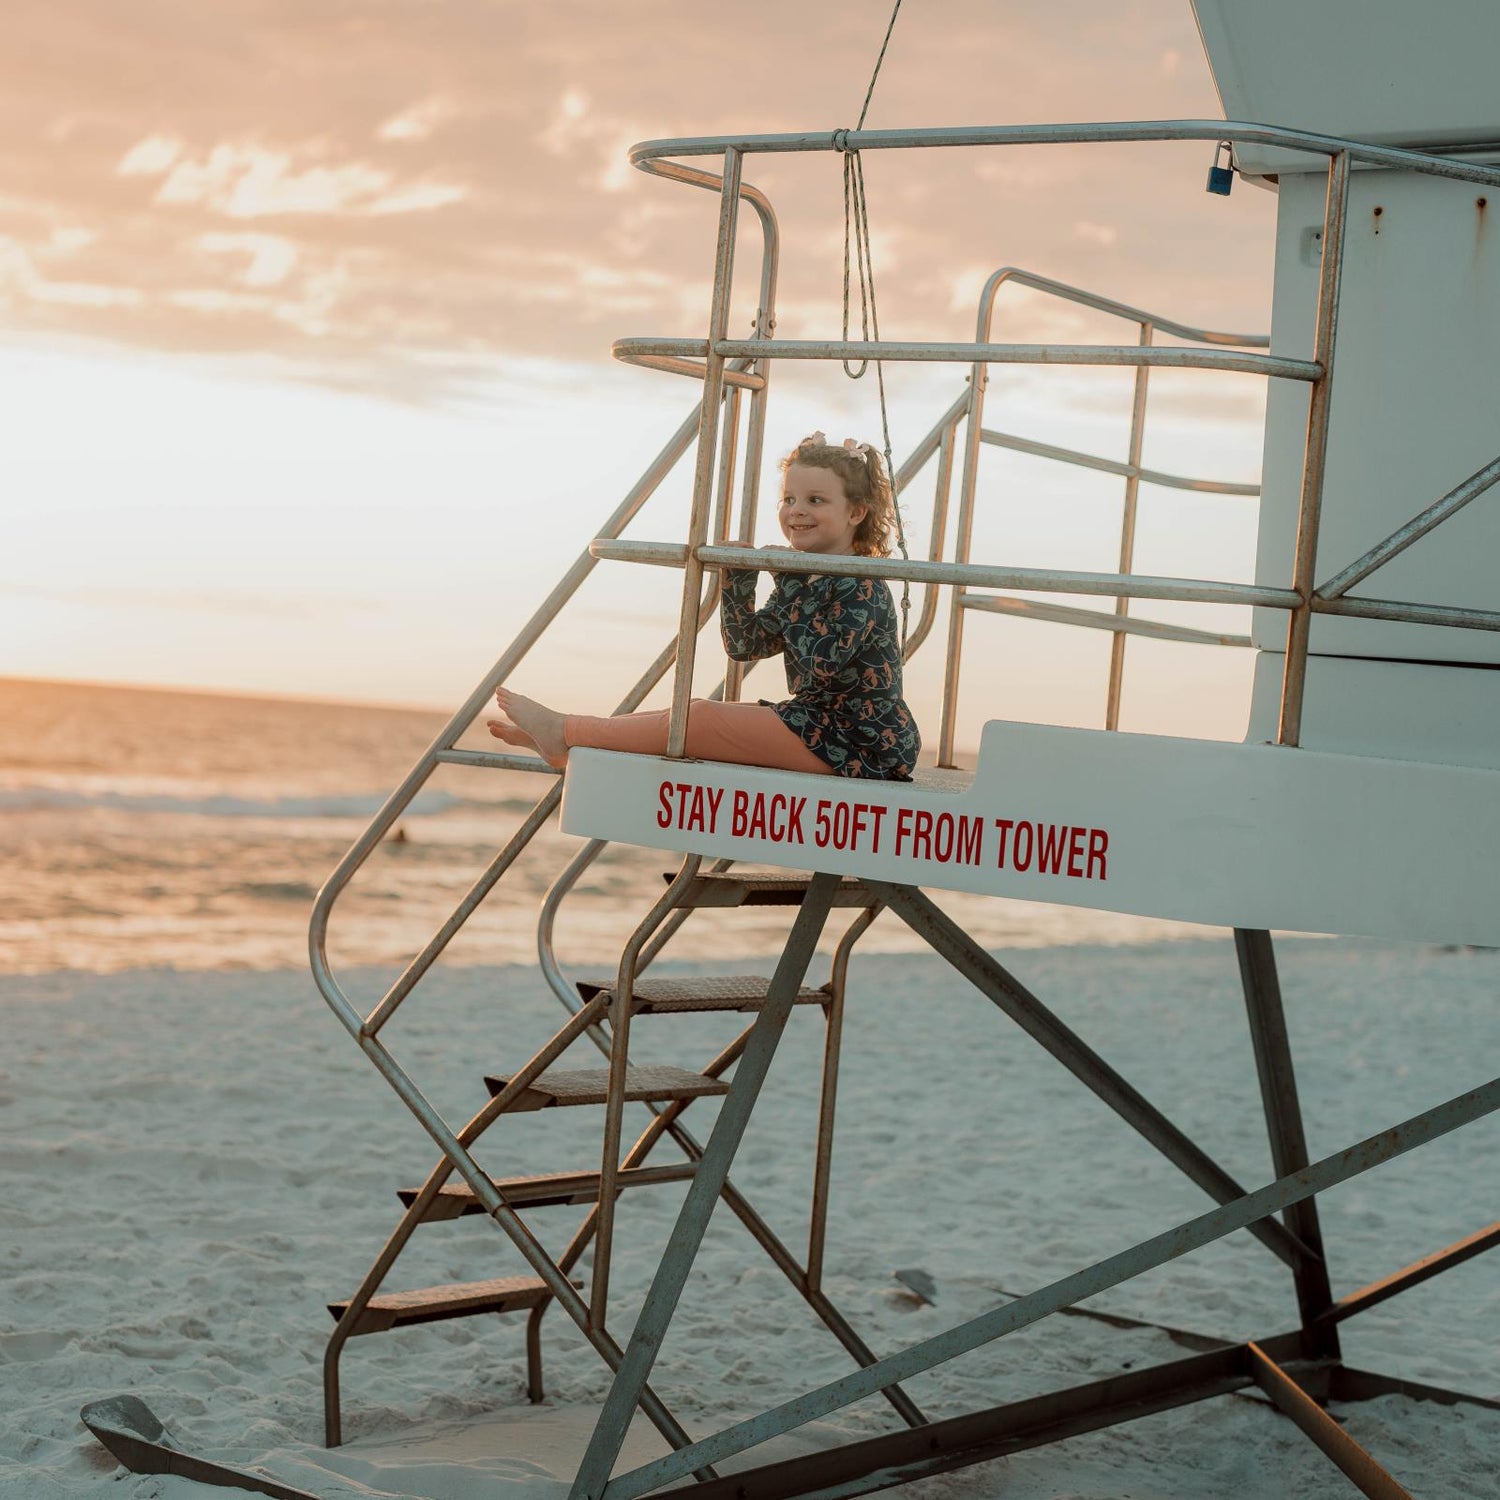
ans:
(728, 368)
(1300, 601)
(1131, 471)
(443, 749)
(365, 1029)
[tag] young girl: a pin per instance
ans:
(837, 637)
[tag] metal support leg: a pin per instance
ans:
(878, 1463)
(1179, 1240)
(1291, 1399)
(947, 938)
(698, 1206)
(1416, 1273)
(817, 1233)
(1278, 1092)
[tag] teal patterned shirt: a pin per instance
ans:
(841, 648)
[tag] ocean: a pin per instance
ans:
(153, 828)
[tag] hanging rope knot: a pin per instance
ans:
(841, 139)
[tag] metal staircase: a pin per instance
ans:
(603, 1011)
(593, 1005)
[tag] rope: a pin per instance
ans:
(857, 229)
(865, 108)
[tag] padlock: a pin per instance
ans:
(1221, 175)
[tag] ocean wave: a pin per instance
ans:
(233, 805)
(299, 891)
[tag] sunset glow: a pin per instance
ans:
(308, 314)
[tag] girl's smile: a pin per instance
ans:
(816, 513)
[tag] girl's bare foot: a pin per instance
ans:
(530, 723)
(503, 729)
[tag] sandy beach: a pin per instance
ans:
(196, 1162)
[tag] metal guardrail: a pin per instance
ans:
(729, 367)
(655, 156)
(1301, 601)
(1046, 580)
(715, 426)
(641, 350)
(1148, 325)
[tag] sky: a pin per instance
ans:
(305, 314)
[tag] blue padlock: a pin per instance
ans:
(1221, 175)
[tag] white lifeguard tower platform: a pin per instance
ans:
(1364, 799)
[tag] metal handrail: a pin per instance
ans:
(364, 1030)
(1300, 602)
(1066, 292)
(654, 156)
(636, 350)
(649, 351)
(938, 440)
(1061, 614)
(442, 749)
(1113, 466)
(1131, 471)
(1413, 531)
(1041, 580)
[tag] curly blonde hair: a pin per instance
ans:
(865, 483)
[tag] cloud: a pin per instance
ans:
(377, 189)
(1096, 234)
(417, 122)
(245, 181)
(21, 282)
(271, 257)
(150, 157)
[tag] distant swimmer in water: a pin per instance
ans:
(837, 637)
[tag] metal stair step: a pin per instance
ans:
(542, 1190)
(743, 992)
(433, 1304)
(730, 888)
(591, 1086)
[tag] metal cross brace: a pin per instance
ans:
(1145, 1256)
(698, 1206)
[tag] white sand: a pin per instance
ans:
(195, 1162)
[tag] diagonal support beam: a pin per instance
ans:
(1278, 1093)
(1419, 1271)
(939, 931)
(1089, 1282)
(692, 1220)
(1415, 529)
(895, 1458)
(1368, 1476)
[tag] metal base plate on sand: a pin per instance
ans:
(132, 1432)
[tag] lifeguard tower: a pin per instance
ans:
(1365, 798)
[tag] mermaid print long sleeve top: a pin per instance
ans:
(841, 649)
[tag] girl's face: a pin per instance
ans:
(816, 513)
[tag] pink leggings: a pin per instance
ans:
(745, 734)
